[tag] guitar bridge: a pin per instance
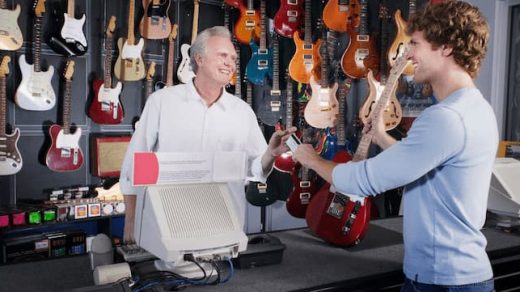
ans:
(305, 198)
(351, 218)
(337, 206)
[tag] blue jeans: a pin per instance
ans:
(413, 286)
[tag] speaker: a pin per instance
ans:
(504, 192)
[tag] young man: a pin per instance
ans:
(446, 161)
(201, 116)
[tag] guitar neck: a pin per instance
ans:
(263, 26)
(169, 72)
(148, 87)
(363, 18)
(3, 109)
(383, 66)
(343, 92)
(238, 73)
(307, 27)
(412, 7)
(107, 79)
(70, 8)
(249, 94)
(324, 52)
(67, 106)
(195, 24)
(37, 49)
(131, 11)
(289, 105)
(276, 65)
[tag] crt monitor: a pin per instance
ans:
(504, 192)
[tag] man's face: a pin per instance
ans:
(426, 61)
(219, 62)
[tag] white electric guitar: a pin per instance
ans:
(11, 38)
(10, 159)
(129, 64)
(70, 40)
(35, 91)
(185, 72)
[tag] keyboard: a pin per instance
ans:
(134, 253)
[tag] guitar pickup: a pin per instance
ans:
(263, 63)
(275, 93)
(305, 198)
(250, 24)
(250, 13)
(292, 2)
(262, 188)
(307, 47)
(263, 52)
(275, 106)
(305, 184)
(292, 13)
(363, 38)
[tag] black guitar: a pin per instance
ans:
(68, 39)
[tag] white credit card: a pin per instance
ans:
(293, 142)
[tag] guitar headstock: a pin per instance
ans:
(151, 71)
(173, 34)
(4, 67)
(383, 12)
(196, 2)
(111, 26)
(69, 70)
(39, 8)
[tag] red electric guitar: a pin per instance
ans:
(106, 107)
(339, 219)
(65, 153)
(289, 17)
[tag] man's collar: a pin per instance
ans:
(224, 101)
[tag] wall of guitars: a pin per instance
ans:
(71, 70)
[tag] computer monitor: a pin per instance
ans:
(504, 192)
(197, 221)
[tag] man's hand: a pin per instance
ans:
(277, 144)
(128, 232)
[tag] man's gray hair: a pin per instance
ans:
(200, 44)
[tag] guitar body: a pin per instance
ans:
(284, 163)
(70, 39)
(304, 60)
(359, 56)
(35, 91)
(339, 15)
(247, 26)
(268, 105)
(11, 38)
(185, 71)
(106, 107)
(392, 113)
(330, 145)
(233, 3)
(10, 158)
(260, 65)
(322, 109)
(156, 23)
(399, 43)
(289, 17)
(302, 194)
(129, 64)
(64, 154)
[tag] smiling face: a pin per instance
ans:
(427, 61)
(218, 63)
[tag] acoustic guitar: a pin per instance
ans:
(11, 38)
(260, 65)
(288, 18)
(69, 39)
(106, 107)
(155, 23)
(401, 38)
(185, 71)
(64, 154)
(392, 113)
(340, 15)
(247, 26)
(306, 56)
(129, 64)
(341, 219)
(322, 109)
(35, 91)
(360, 55)
(10, 158)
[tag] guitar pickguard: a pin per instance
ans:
(72, 30)
(10, 159)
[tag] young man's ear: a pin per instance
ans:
(447, 50)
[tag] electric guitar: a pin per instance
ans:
(169, 70)
(260, 64)
(233, 3)
(70, 39)
(338, 218)
(306, 56)
(269, 106)
(11, 38)
(155, 23)
(401, 38)
(284, 162)
(106, 106)
(247, 26)
(64, 154)
(392, 113)
(129, 64)
(340, 15)
(148, 89)
(360, 55)
(288, 18)
(234, 81)
(35, 91)
(322, 109)
(185, 71)
(10, 158)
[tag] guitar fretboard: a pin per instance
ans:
(70, 8)
(343, 92)
(131, 11)
(263, 26)
(169, 72)
(276, 64)
(363, 18)
(3, 108)
(307, 25)
(67, 104)
(289, 106)
(37, 49)
(324, 53)
(107, 79)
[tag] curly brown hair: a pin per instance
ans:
(456, 24)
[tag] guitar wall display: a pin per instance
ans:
(155, 23)
(69, 39)
(11, 38)
(35, 91)
(106, 106)
(64, 154)
(10, 158)
(185, 71)
(129, 64)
